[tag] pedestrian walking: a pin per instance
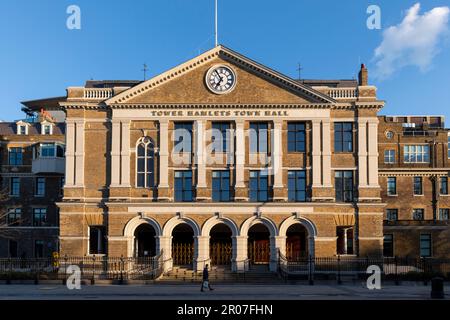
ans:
(205, 282)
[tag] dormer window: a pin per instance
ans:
(22, 128)
(46, 128)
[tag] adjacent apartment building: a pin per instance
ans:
(223, 160)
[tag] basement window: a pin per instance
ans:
(97, 240)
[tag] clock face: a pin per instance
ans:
(221, 79)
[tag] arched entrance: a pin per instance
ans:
(220, 245)
(259, 244)
(296, 242)
(183, 245)
(144, 241)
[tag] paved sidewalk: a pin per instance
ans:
(221, 292)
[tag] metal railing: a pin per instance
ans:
(91, 268)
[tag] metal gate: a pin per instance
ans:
(259, 251)
(182, 253)
(220, 253)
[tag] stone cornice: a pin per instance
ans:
(221, 106)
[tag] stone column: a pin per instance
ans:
(202, 192)
(240, 162)
(70, 154)
(165, 244)
(163, 186)
(326, 153)
(202, 257)
(277, 242)
(115, 154)
(277, 162)
(125, 155)
(316, 154)
(239, 253)
(79, 154)
(362, 152)
(373, 152)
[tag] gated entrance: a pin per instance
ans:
(296, 242)
(220, 245)
(183, 245)
(144, 241)
(259, 244)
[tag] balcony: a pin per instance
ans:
(48, 165)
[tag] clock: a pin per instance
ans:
(389, 134)
(220, 79)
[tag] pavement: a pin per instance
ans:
(413, 291)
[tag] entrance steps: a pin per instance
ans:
(258, 274)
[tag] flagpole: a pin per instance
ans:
(216, 28)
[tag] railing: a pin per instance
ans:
(91, 268)
(98, 93)
(343, 93)
(396, 268)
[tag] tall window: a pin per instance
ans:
(416, 154)
(15, 156)
(425, 245)
(221, 186)
(443, 185)
(391, 186)
(183, 186)
(389, 156)
(259, 137)
(62, 181)
(145, 163)
(97, 240)
(444, 214)
(14, 216)
(183, 137)
(418, 186)
(344, 240)
(343, 137)
(39, 217)
(259, 186)
(221, 136)
(38, 248)
(392, 214)
(40, 187)
(343, 182)
(14, 189)
(388, 245)
(418, 214)
(296, 137)
(297, 186)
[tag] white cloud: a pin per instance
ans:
(413, 42)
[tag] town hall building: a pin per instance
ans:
(224, 161)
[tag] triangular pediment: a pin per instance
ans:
(255, 84)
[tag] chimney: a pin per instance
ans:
(363, 76)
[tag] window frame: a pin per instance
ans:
(40, 222)
(418, 186)
(411, 153)
(178, 138)
(17, 213)
(344, 189)
(42, 243)
(389, 212)
(340, 140)
(224, 191)
(101, 240)
(296, 132)
(225, 130)
(441, 210)
(430, 245)
(38, 185)
(262, 177)
(184, 179)
(389, 157)
(417, 211)
(388, 186)
(149, 156)
(391, 235)
(443, 181)
(15, 156)
(258, 129)
(297, 189)
(15, 181)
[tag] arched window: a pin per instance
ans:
(145, 166)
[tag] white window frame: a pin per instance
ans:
(20, 125)
(146, 141)
(390, 160)
(415, 153)
(45, 125)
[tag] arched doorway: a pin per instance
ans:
(259, 244)
(183, 245)
(220, 245)
(144, 241)
(296, 242)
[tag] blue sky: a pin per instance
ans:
(40, 57)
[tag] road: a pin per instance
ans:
(221, 292)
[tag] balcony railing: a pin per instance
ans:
(48, 165)
(98, 93)
(343, 93)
